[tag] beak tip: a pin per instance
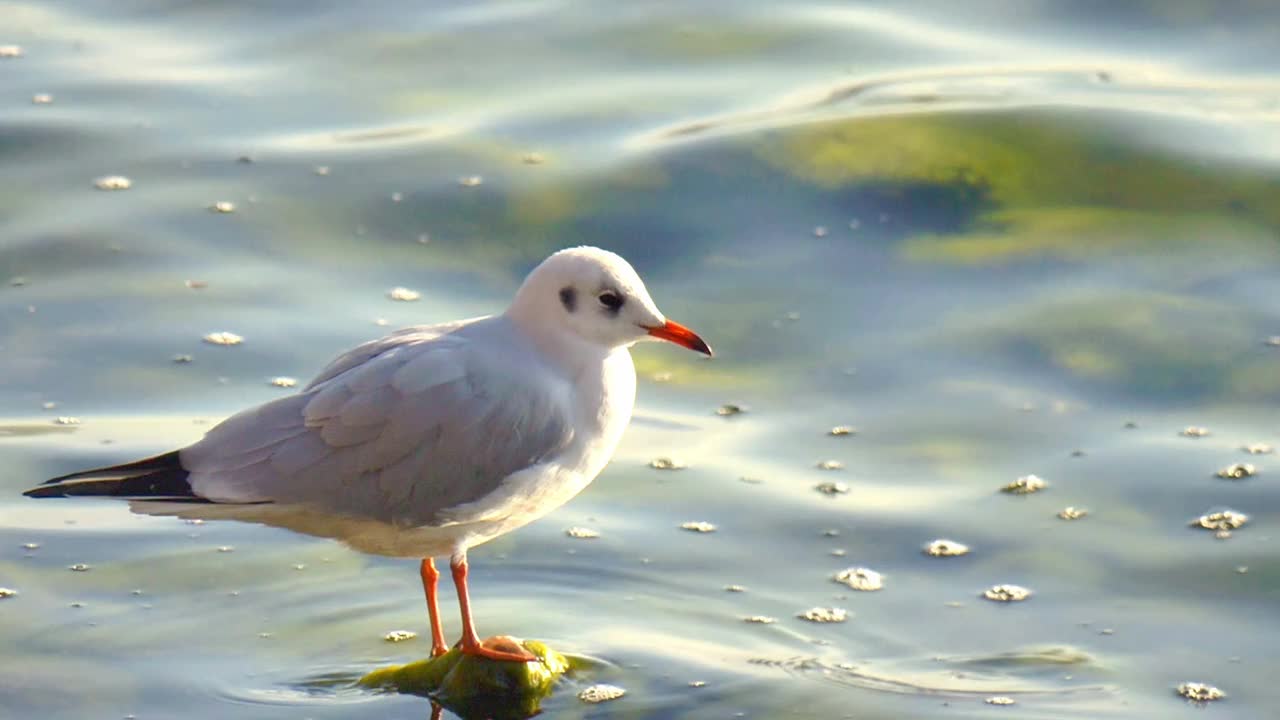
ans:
(674, 332)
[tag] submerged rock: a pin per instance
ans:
(1072, 513)
(1195, 431)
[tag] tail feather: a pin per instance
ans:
(161, 476)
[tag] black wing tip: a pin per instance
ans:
(163, 461)
(46, 491)
(156, 477)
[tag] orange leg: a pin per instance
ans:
(498, 648)
(430, 576)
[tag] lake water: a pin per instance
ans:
(1016, 239)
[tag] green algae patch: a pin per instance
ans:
(1087, 232)
(472, 685)
(1010, 155)
(1149, 344)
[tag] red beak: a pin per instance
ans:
(680, 335)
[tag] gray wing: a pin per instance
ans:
(369, 350)
(425, 424)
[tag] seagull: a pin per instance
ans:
(431, 440)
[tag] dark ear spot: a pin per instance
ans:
(569, 298)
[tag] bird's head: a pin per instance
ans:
(597, 296)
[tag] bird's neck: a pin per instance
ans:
(604, 380)
(562, 348)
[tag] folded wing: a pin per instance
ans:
(400, 430)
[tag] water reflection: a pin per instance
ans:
(1048, 248)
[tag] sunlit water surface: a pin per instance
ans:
(1029, 238)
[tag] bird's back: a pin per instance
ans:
(402, 430)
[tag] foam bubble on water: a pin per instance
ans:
(1025, 485)
(666, 463)
(402, 294)
(946, 548)
(600, 692)
(1006, 593)
(824, 615)
(113, 182)
(223, 338)
(1237, 471)
(1221, 521)
(700, 526)
(1200, 692)
(860, 578)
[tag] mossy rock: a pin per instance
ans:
(473, 686)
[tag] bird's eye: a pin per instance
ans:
(611, 300)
